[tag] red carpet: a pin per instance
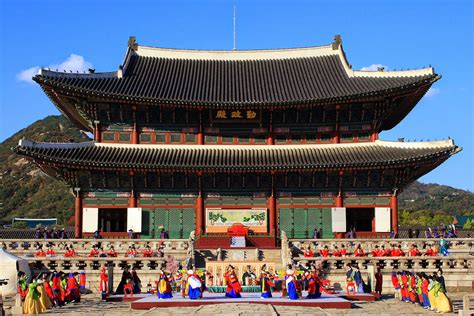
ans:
(325, 301)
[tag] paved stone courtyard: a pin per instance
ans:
(92, 306)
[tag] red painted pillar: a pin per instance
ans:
(200, 138)
(78, 216)
(97, 133)
(374, 136)
(394, 208)
(132, 200)
(270, 139)
(271, 214)
(199, 215)
(135, 135)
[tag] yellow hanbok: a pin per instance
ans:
(32, 303)
(431, 296)
(443, 305)
(43, 297)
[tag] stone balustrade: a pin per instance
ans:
(94, 264)
(456, 245)
(83, 246)
(424, 264)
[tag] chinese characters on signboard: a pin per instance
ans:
(234, 115)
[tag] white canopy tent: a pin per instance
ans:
(9, 267)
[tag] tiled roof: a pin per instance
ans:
(237, 78)
(376, 154)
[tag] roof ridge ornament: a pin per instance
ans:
(337, 42)
(132, 43)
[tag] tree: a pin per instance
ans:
(19, 225)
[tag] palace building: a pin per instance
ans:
(276, 140)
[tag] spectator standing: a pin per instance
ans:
(45, 233)
(428, 233)
(63, 234)
(130, 234)
(38, 233)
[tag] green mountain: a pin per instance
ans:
(25, 191)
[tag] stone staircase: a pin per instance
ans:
(232, 255)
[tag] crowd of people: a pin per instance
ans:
(49, 290)
(383, 250)
(50, 233)
(428, 291)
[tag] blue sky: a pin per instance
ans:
(398, 34)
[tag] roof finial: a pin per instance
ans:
(132, 43)
(337, 42)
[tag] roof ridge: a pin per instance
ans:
(434, 144)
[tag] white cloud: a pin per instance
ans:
(72, 63)
(374, 67)
(432, 92)
(26, 74)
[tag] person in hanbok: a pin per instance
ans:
(314, 285)
(137, 283)
(193, 286)
(424, 291)
(291, 285)
(57, 289)
(163, 287)
(378, 281)
(32, 303)
(72, 289)
(358, 280)
(411, 287)
(233, 286)
(22, 285)
(396, 285)
(82, 280)
(44, 300)
(431, 295)
(48, 289)
(443, 305)
(443, 247)
(103, 283)
(404, 287)
(266, 285)
(126, 275)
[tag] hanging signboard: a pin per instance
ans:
(218, 220)
(235, 115)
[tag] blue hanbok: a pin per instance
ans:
(291, 287)
(193, 287)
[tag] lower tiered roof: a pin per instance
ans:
(378, 154)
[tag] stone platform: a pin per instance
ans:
(325, 301)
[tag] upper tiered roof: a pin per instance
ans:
(235, 78)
